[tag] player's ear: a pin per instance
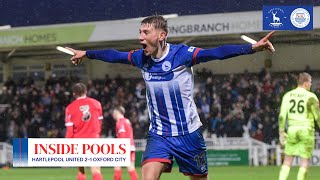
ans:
(162, 36)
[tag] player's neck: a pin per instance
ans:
(303, 87)
(120, 117)
(162, 50)
(81, 97)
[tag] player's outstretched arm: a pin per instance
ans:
(228, 51)
(282, 121)
(108, 55)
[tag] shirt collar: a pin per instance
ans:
(164, 56)
(82, 97)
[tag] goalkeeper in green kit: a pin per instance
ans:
(300, 108)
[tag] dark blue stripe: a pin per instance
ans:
(25, 149)
(20, 151)
(162, 109)
(16, 148)
(175, 108)
(180, 106)
(153, 116)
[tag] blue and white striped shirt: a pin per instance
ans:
(169, 81)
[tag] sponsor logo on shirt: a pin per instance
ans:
(158, 76)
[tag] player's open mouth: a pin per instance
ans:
(144, 46)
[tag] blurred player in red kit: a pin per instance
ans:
(124, 130)
(83, 120)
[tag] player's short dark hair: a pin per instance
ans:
(303, 77)
(120, 109)
(158, 22)
(79, 89)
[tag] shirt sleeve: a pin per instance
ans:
(187, 55)
(100, 116)
(100, 112)
(109, 55)
(283, 114)
(313, 103)
(218, 53)
(69, 124)
(137, 58)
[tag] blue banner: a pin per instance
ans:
(20, 152)
(287, 17)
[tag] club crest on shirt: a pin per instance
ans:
(166, 66)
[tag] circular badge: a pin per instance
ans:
(166, 66)
(300, 18)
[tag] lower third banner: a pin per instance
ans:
(71, 152)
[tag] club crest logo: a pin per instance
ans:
(166, 66)
(276, 15)
(300, 18)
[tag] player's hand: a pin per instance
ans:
(78, 55)
(264, 44)
(282, 138)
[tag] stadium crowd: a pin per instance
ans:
(232, 105)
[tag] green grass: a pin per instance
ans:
(219, 173)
